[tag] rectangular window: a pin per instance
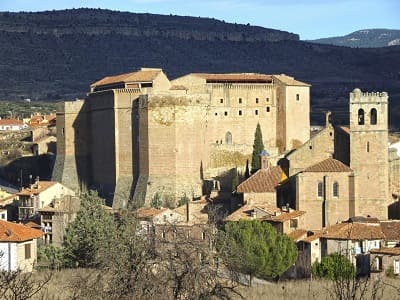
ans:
(267, 99)
(267, 108)
(256, 112)
(293, 223)
(221, 100)
(240, 100)
(27, 251)
(226, 113)
(297, 97)
(396, 267)
(62, 131)
(240, 112)
(320, 189)
(256, 100)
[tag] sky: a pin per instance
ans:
(310, 19)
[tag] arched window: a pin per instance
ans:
(228, 138)
(320, 189)
(373, 116)
(335, 189)
(360, 116)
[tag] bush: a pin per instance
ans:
(334, 266)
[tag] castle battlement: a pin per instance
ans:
(359, 96)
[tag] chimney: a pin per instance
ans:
(253, 214)
(265, 163)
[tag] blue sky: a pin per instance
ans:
(309, 18)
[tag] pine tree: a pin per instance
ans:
(258, 146)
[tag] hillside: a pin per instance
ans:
(56, 55)
(366, 38)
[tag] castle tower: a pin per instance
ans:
(369, 152)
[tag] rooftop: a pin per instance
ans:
(142, 75)
(329, 165)
(391, 230)
(12, 232)
(10, 122)
(388, 251)
(36, 188)
(288, 80)
(354, 231)
(263, 181)
(235, 77)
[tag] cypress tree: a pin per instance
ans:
(258, 146)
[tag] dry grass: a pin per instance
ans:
(310, 289)
(60, 288)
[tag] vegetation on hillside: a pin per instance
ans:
(56, 55)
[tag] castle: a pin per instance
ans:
(140, 134)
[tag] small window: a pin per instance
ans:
(267, 108)
(267, 99)
(216, 114)
(293, 223)
(367, 146)
(320, 189)
(203, 235)
(256, 112)
(335, 189)
(360, 116)
(373, 116)
(228, 138)
(240, 100)
(221, 100)
(226, 113)
(63, 131)
(297, 97)
(256, 100)
(27, 251)
(240, 112)
(163, 234)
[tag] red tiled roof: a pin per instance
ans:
(263, 181)
(36, 189)
(146, 212)
(12, 232)
(297, 234)
(137, 76)
(354, 231)
(391, 230)
(10, 122)
(329, 165)
(286, 216)
(388, 251)
(236, 77)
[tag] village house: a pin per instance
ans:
(55, 217)
(385, 261)
(18, 245)
(12, 125)
(38, 195)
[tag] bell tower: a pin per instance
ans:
(369, 152)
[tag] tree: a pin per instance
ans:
(256, 248)
(235, 180)
(258, 146)
(333, 266)
(90, 234)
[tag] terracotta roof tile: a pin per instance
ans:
(329, 165)
(36, 188)
(263, 213)
(10, 122)
(354, 231)
(311, 238)
(286, 216)
(146, 212)
(12, 232)
(198, 212)
(263, 181)
(297, 234)
(290, 80)
(143, 75)
(236, 77)
(391, 229)
(388, 251)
